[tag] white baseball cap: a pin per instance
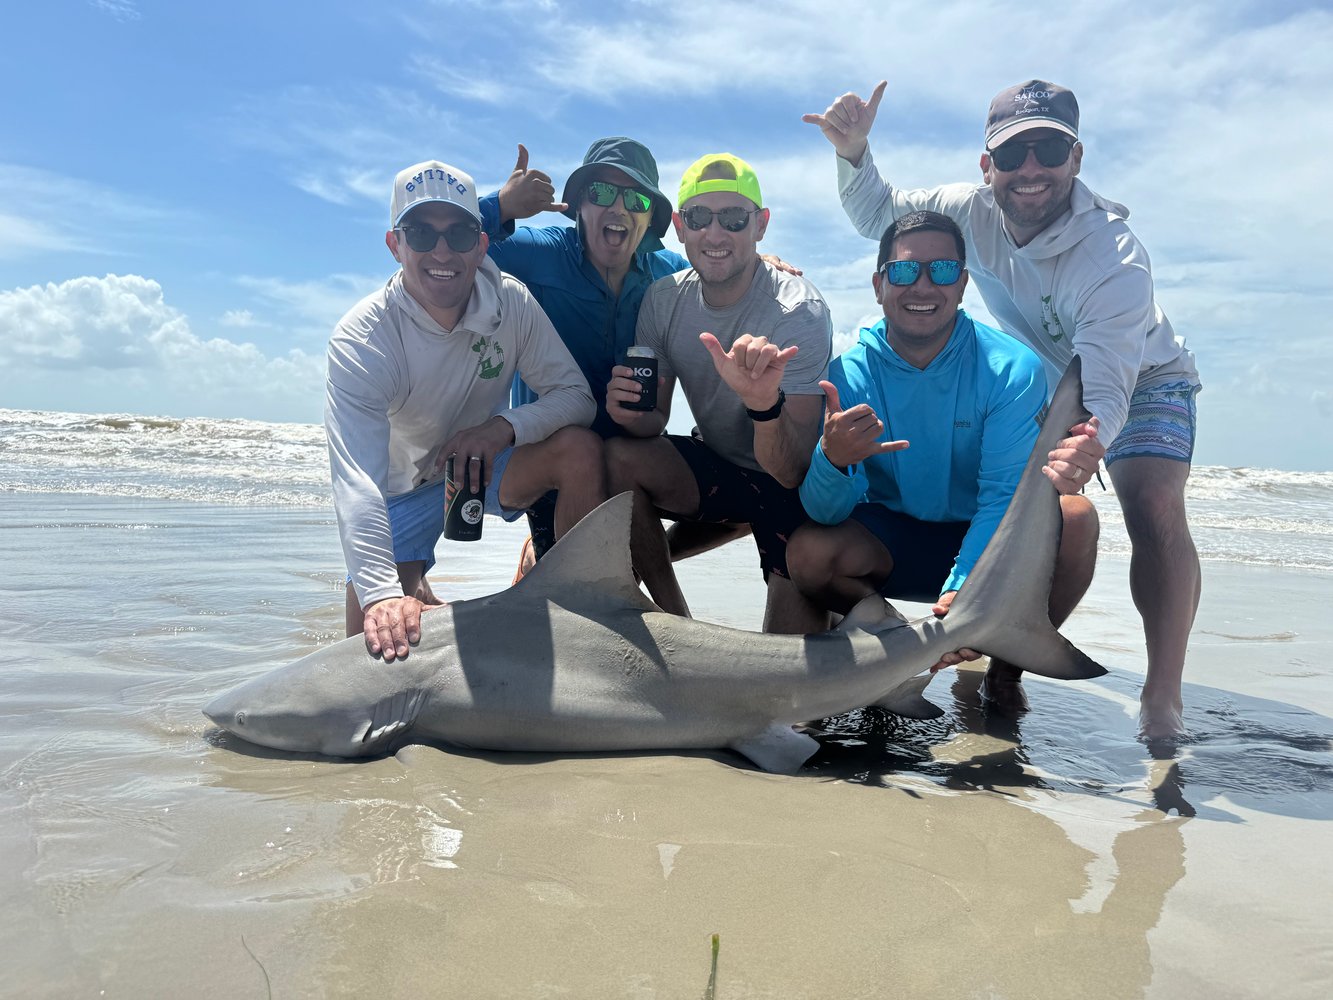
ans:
(432, 181)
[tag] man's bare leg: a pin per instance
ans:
(659, 478)
(1074, 565)
(692, 538)
(787, 612)
(1164, 579)
(835, 566)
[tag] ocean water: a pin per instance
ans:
(152, 563)
(1256, 516)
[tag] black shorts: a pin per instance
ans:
(923, 551)
(730, 494)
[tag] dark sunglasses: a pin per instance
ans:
(1052, 151)
(603, 193)
(905, 272)
(460, 237)
(733, 218)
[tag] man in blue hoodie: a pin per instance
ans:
(910, 522)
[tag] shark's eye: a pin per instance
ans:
(240, 718)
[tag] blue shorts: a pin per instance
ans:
(923, 551)
(1161, 422)
(417, 518)
(731, 494)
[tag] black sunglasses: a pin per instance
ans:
(603, 193)
(1052, 151)
(733, 218)
(460, 237)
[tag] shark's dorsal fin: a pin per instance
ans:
(591, 564)
(872, 614)
(906, 699)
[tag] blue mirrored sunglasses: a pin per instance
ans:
(905, 272)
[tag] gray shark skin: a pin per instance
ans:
(575, 657)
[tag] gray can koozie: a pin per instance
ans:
(463, 508)
(643, 362)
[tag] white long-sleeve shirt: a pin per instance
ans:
(400, 385)
(1082, 286)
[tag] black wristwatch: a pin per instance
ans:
(771, 413)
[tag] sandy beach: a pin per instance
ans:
(148, 855)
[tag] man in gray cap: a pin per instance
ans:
(420, 372)
(1058, 266)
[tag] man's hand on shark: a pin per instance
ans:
(391, 626)
(941, 609)
(1073, 462)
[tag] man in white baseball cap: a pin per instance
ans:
(420, 372)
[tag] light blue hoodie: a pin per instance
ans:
(971, 417)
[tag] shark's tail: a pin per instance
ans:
(1005, 596)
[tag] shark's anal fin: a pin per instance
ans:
(906, 699)
(778, 748)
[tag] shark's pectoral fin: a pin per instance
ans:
(906, 699)
(777, 748)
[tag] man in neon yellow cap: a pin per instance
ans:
(749, 344)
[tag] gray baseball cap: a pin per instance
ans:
(1035, 104)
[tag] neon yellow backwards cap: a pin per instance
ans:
(725, 172)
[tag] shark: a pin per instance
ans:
(575, 657)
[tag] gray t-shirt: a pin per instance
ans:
(783, 307)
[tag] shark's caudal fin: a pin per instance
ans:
(591, 563)
(1011, 583)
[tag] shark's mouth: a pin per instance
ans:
(388, 720)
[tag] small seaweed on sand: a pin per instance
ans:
(710, 991)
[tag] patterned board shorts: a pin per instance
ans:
(1161, 423)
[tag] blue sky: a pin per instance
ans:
(191, 194)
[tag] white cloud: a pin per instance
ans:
(239, 318)
(121, 10)
(53, 211)
(68, 337)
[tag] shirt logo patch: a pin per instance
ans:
(491, 360)
(1050, 320)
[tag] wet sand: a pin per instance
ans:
(147, 855)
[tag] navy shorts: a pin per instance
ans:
(730, 494)
(923, 551)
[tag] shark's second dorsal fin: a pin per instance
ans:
(591, 563)
(872, 614)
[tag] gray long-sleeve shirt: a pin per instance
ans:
(400, 385)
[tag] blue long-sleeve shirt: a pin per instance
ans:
(971, 417)
(596, 325)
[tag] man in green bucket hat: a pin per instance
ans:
(590, 279)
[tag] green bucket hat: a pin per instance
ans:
(632, 158)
